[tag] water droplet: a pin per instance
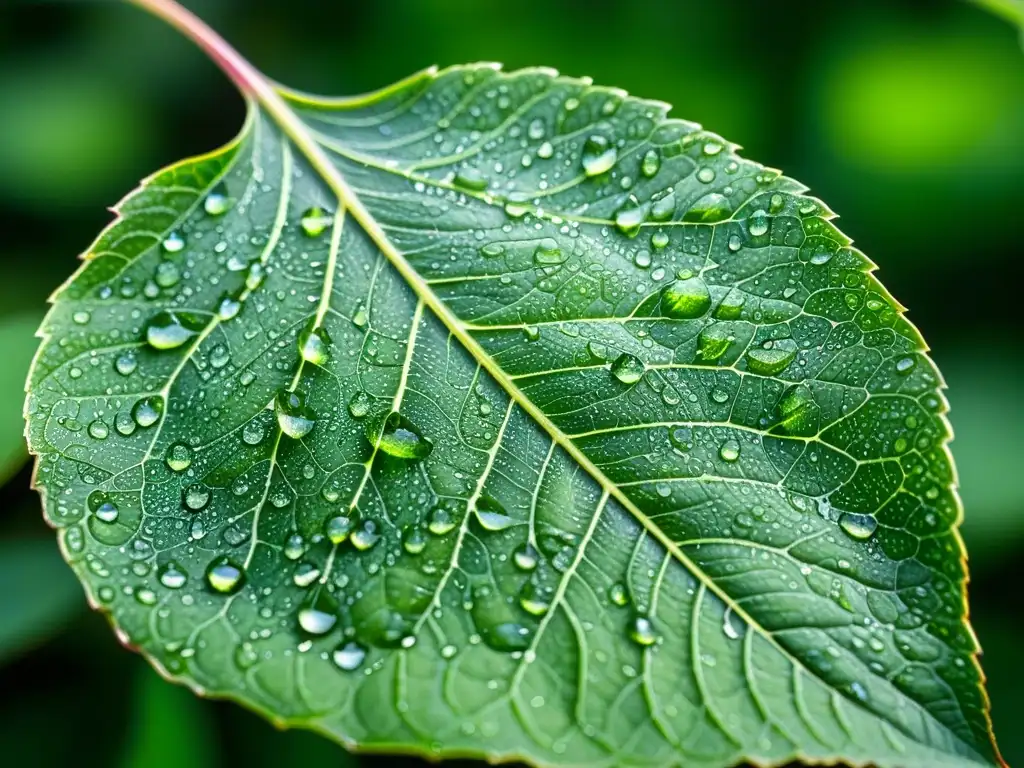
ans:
(228, 308)
(225, 576)
(598, 156)
(169, 330)
(617, 594)
(651, 163)
(126, 364)
(318, 614)
(686, 298)
(905, 365)
(730, 450)
(399, 437)
(548, 253)
(798, 412)
(315, 221)
(173, 243)
(349, 656)
(470, 178)
(507, 637)
(98, 430)
(823, 257)
(217, 202)
(706, 175)
(642, 632)
(713, 342)
(196, 496)
(449, 651)
(663, 206)
(179, 457)
(531, 332)
(525, 557)
(492, 250)
(545, 150)
(293, 417)
(359, 405)
(758, 224)
(627, 368)
(171, 575)
(414, 540)
(102, 507)
(731, 307)
(712, 148)
(534, 600)
(124, 423)
(858, 526)
(681, 438)
(630, 217)
(81, 317)
(364, 535)
(659, 240)
(441, 521)
(359, 319)
(491, 514)
(338, 528)
(314, 346)
(768, 361)
(253, 433)
(708, 209)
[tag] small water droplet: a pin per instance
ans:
(349, 656)
(228, 308)
(414, 539)
(169, 330)
(217, 202)
(173, 243)
(730, 450)
(196, 497)
(126, 364)
(397, 436)
(315, 221)
(225, 576)
(758, 224)
(548, 253)
(492, 250)
(315, 346)
(713, 341)
(642, 632)
(905, 365)
(102, 507)
(858, 526)
(617, 594)
(172, 575)
(598, 155)
(318, 614)
(359, 405)
(98, 430)
(651, 163)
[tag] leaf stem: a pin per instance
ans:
(245, 77)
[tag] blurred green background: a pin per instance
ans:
(907, 117)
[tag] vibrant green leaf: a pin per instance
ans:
(500, 414)
(18, 342)
(37, 595)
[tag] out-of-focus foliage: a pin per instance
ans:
(942, 220)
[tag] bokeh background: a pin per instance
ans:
(906, 116)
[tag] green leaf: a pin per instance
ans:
(37, 595)
(17, 344)
(499, 414)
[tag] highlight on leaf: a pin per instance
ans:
(500, 414)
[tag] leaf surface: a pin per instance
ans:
(499, 414)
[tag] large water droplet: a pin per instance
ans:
(178, 457)
(598, 155)
(414, 539)
(102, 507)
(630, 217)
(359, 405)
(169, 330)
(713, 342)
(315, 221)
(217, 202)
(507, 636)
(627, 368)
(730, 451)
(642, 632)
(491, 514)
(173, 243)
(441, 521)
(98, 430)
(858, 526)
(651, 163)
(126, 364)
(318, 614)
(349, 656)
(338, 528)
(196, 497)
(686, 298)
(399, 437)
(471, 178)
(364, 535)
(708, 209)
(548, 253)
(757, 224)
(293, 417)
(314, 346)
(225, 576)
(526, 557)
(534, 600)
(617, 594)
(147, 411)
(768, 361)
(172, 575)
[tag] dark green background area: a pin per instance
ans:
(906, 117)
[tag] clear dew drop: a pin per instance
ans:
(359, 405)
(338, 528)
(253, 433)
(681, 438)
(81, 317)
(642, 632)
(822, 257)
(686, 298)
(169, 330)
(526, 557)
(491, 515)
(713, 342)
(364, 535)
(318, 614)
(305, 575)
(706, 175)
(627, 368)
(708, 209)
(508, 637)
(124, 424)
(293, 417)
(492, 250)
(315, 346)
(397, 436)
(617, 594)
(548, 253)
(173, 243)
(147, 412)
(533, 600)
(599, 155)
(531, 332)
(225, 576)
(349, 657)
(228, 308)
(315, 221)
(102, 507)
(294, 546)
(441, 521)
(126, 364)
(178, 457)
(98, 430)
(905, 365)
(659, 240)
(858, 526)
(196, 497)
(651, 163)
(729, 451)
(217, 202)
(414, 539)
(758, 224)
(630, 217)
(171, 575)
(470, 178)
(773, 359)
